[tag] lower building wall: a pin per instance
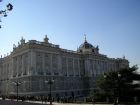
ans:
(37, 86)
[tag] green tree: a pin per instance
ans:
(123, 83)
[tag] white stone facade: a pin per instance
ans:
(73, 72)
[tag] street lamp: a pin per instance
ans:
(50, 82)
(105, 77)
(118, 87)
(17, 84)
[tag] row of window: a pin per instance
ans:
(47, 64)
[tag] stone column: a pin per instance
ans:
(12, 67)
(29, 71)
(73, 67)
(27, 63)
(67, 66)
(87, 67)
(17, 66)
(43, 58)
(93, 67)
(51, 65)
(0, 70)
(79, 66)
(59, 65)
(33, 63)
(22, 65)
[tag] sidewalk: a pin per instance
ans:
(77, 104)
(55, 103)
(47, 103)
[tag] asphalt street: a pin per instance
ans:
(9, 102)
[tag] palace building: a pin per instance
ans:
(74, 73)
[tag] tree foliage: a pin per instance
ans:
(124, 82)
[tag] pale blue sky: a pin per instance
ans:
(114, 25)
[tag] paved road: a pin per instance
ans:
(8, 102)
(78, 104)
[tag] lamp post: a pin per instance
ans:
(105, 76)
(17, 84)
(50, 82)
(118, 87)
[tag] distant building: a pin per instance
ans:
(74, 72)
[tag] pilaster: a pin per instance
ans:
(33, 63)
(51, 71)
(67, 66)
